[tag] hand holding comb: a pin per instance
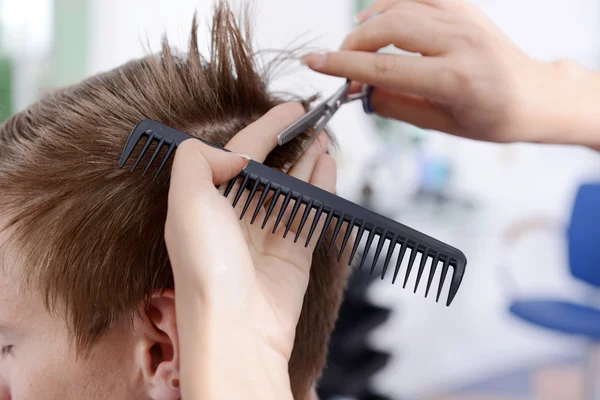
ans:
(257, 178)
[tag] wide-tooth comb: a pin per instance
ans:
(328, 207)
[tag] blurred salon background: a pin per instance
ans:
(524, 324)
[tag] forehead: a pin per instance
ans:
(7, 260)
(8, 277)
(19, 309)
(10, 282)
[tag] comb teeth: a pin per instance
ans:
(303, 220)
(261, 201)
(156, 151)
(143, 152)
(421, 268)
(250, 197)
(336, 232)
(271, 206)
(314, 224)
(411, 261)
(367, 247)
(434, 264)
(346, 237)
(316, 202)
(361, 230)
(240, 191)
(286, 201)
(164, 161)
(292, 216)
(230, 186)
(400, 257)
(388, 257)
(378, 251)
(325, 228)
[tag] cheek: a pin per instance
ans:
(51, 371)
(42, 372)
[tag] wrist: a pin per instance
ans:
(569, 111)
(221, 358)
(239, 365)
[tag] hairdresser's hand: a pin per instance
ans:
(471, 80)
(239, 288)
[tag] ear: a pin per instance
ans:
(157, 349)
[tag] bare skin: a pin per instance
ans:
(466, 79)
(239, 289)
(469, 80)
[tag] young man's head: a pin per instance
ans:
(86, 290)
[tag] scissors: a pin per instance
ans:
(319, 116)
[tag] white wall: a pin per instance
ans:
(436, 346)
(121, 26)
(475, 338)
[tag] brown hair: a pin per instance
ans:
(91, 235)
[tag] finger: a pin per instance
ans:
(374, 9)
(414, 110)
(303, 168)
(260, 138)
(382, 6)
(310, 170)
(355, 87)
(414, 31)
(201, 228)
(198, 167)
(324, 176)
(423, 76)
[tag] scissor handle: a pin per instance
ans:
(319, 116)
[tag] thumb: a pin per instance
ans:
(198, 167)
(201, 228)
(208, 163)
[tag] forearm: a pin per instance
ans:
(219, 360)
(570, 114)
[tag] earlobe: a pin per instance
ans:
(158, 346)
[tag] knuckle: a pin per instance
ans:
(471, 37)
(385, 65)
(187, 150)
(456, 77)
(388, 22)
(383, 5)
(285, 111)
(349, 42)
(281, 116)
(438, 3)
(454, 5)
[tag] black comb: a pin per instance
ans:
(257, 176)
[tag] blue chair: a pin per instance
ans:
(570, 317)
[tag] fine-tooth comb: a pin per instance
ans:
(258, 177)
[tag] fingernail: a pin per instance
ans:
(314, 60)
(362, 16)
(246, 157)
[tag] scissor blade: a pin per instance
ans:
(316, 118)
(304, 123)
